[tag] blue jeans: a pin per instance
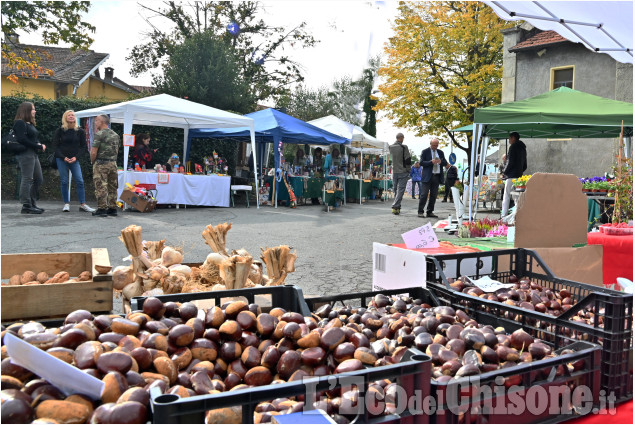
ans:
(414, 185)
(63, 167)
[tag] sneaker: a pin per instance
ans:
(433, 215)
(395, 211)
(67, 208)
(111, 212)
(85, 208)
(422, 215)
(28, 209)
(99, 212)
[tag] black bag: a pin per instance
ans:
(407, 162)
(11, 145)
(52, 161)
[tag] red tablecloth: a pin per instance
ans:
(617, 255)
(623, 415)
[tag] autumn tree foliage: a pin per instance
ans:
(57, 21)
(443, 62)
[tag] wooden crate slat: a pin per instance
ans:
(36, 301)
(72, 262)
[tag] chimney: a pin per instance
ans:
(12, 38)
(109, 73)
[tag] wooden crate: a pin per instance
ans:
(51, 300)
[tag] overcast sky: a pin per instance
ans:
(349, 33)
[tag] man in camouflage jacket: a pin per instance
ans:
(103, 155)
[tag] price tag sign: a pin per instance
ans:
(490, 285)
(128, 140)
(421, 237)
(67, 378)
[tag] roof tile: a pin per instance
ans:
(542, 38)
(68, 66)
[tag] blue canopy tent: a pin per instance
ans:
(272, 126)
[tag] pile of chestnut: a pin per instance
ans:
(531, 296)
(182, 350)
(457, 344)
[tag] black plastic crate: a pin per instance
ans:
(412, 374)
(615, 336)
(453, 401)
(288, 297)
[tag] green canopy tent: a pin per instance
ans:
(560, 113)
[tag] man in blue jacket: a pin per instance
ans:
(415, 176)
(432, 162)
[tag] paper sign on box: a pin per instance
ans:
(421, 237)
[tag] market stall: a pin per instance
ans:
(273, 126)
(182, 189)
(363, 144)
(560, 113)
(167, 111)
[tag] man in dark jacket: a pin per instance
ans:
(516, 166)
(401, 163)
(433, 161)
(450, 179)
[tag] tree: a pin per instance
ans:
(443, 62)
(205, 70)
(259, 46)
(306, 104)
(58, 21)
(367, 81)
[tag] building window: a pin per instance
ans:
(562, 77)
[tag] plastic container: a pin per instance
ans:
(616, 231)
(288, 297)
(412, 374)
(615, 335)
(502, 389)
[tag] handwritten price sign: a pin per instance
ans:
(421, 237)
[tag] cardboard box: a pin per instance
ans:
(58, 299)
(396, 267)
(551, 218)
(138, 202)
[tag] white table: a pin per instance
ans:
(208, 191)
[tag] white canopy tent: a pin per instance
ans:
(602, 26)
(168, 111)
(361, 142)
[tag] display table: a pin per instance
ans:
(208, 191)
(353, 189)
(617, 255)
(296, 183)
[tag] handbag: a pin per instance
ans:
(10, 144)
(52, 161)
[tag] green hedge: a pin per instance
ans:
(48, 117)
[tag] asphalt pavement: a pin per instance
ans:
(334, 248)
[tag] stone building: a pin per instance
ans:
(535, 62)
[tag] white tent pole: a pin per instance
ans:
(127, 129)
(476, 134)
(252, 134)
(483, 146)
(361, 172)
(186, 133)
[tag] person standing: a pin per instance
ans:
(516, 166)
(401, 162)
(142, 153)
(69, 141)
(415, 176)
(450, 179)
(432, 162)
(28, 161)
(103, 155)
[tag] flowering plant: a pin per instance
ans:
(521, 181)
(484, 227)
